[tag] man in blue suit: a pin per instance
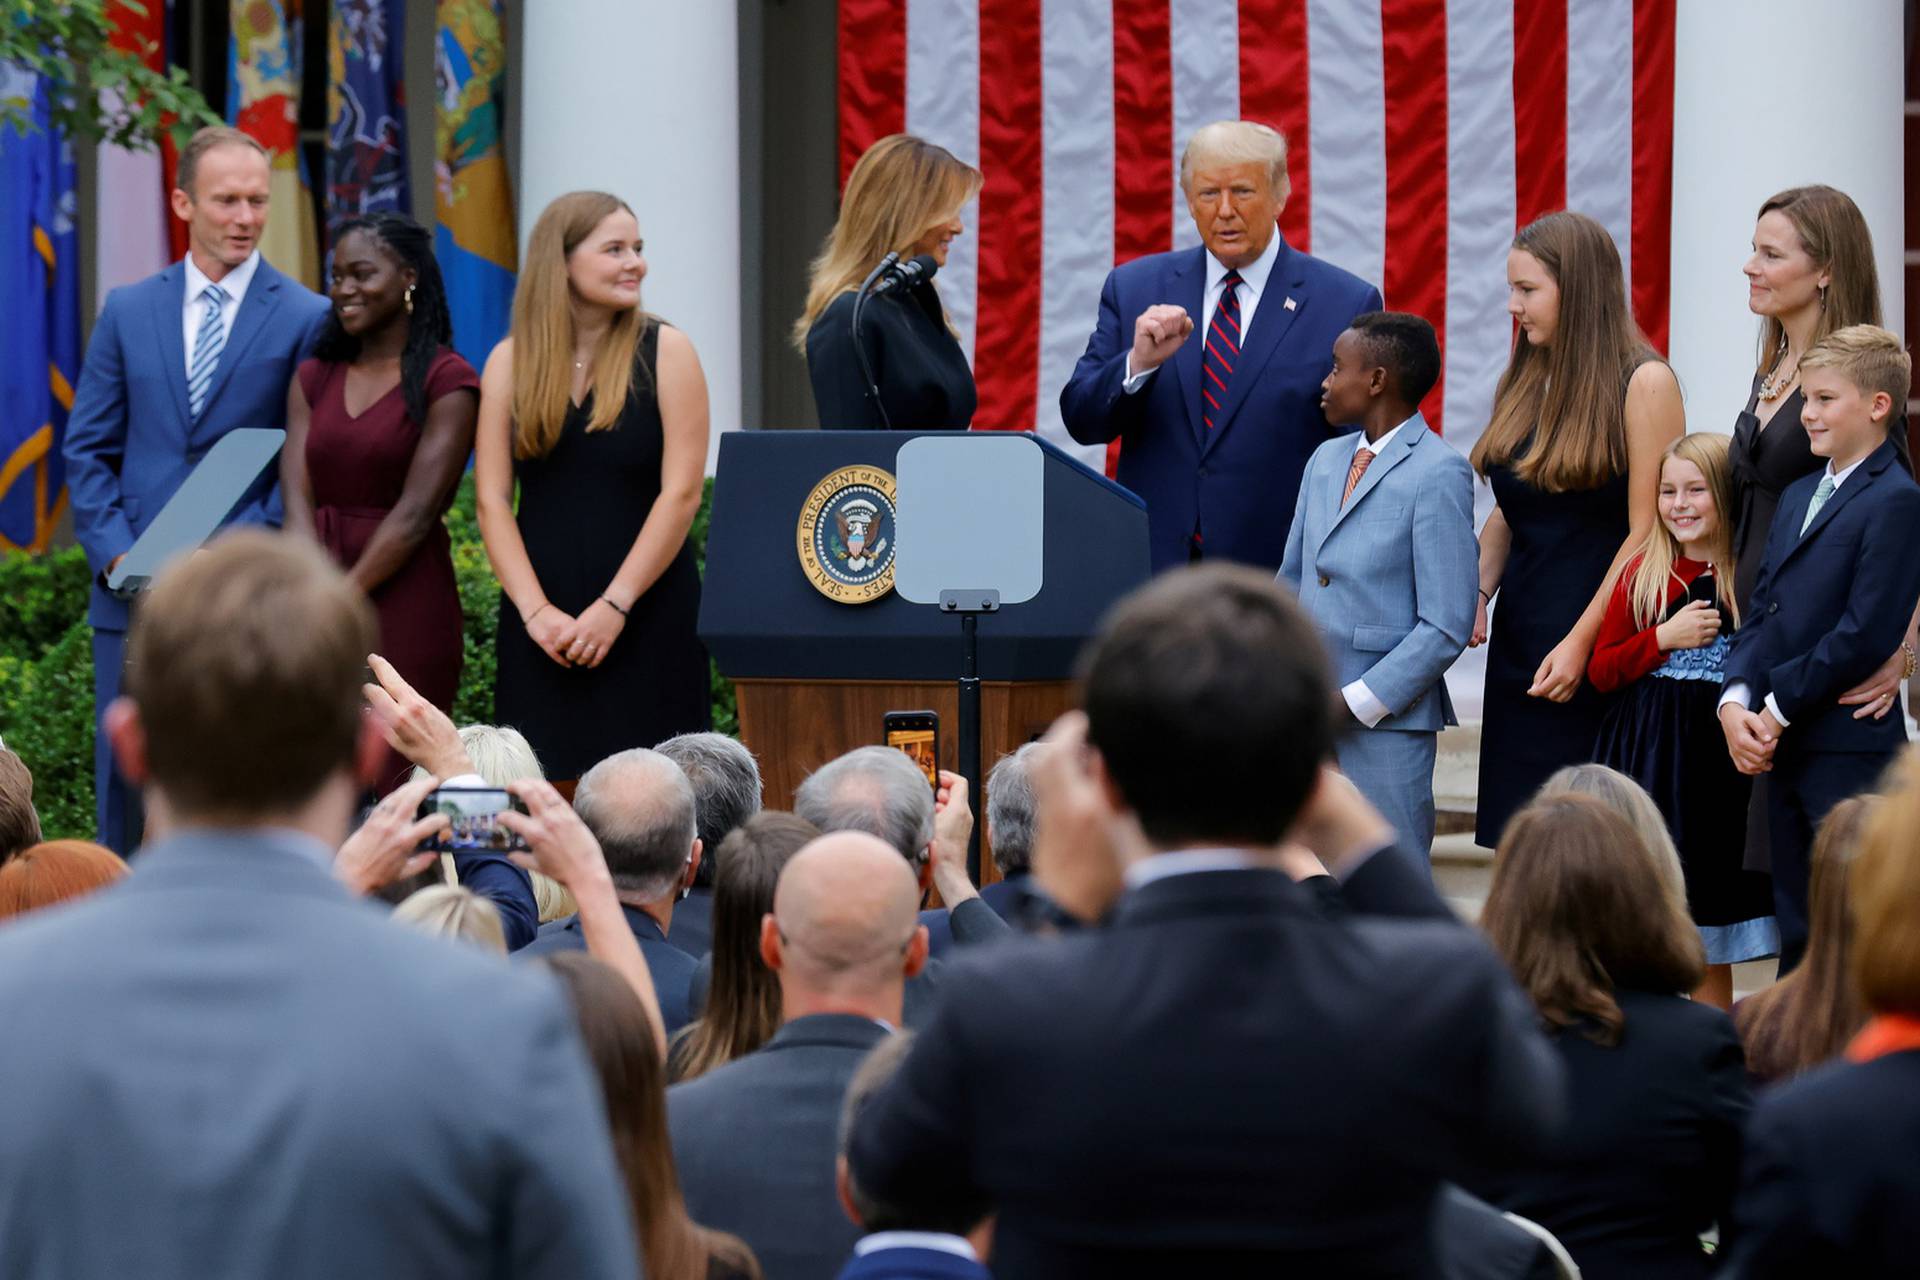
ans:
(1383, 557)
(175, 362)
(1217, 447)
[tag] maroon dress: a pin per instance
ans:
(357, 467)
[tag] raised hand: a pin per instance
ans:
(1157, 334)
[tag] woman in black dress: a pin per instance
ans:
(599, 412)
(904, 196)
(1580, 420)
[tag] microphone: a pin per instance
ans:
(904, 275)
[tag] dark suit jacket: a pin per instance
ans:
(1831, 604)
(671, 967)
(755, 1143)
(508, 888)
(1829, 1186)
(908, 1263)
(226, 1066)
(1651, 1150)
(1218, 1069)
(923, 376)
(693, 923)
(1475, 1241)
(1013, 899)
(1237, 483)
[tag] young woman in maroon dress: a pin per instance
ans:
(379, 426)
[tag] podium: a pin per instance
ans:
(816, 667)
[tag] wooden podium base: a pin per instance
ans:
(795, 726)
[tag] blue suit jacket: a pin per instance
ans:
(131, 441)
(671, 967)
(1830, 604)
(1391, 575)
(1237, 482)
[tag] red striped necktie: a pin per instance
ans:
(1223, 348)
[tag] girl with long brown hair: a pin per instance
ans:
(1580, 419)
(597, 412)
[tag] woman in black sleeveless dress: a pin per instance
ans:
(597, 645)
(1580, 420)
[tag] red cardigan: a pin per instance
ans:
(1623, 653)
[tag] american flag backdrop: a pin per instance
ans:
(1422, 134)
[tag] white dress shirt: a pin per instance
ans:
(938, 1241)
(235, 283)
(1738, 690)
(1186, 862)
(1366, 708)
(1253, 283)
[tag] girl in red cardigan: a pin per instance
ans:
(1664, 641)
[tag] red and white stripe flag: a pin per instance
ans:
(1422, 135)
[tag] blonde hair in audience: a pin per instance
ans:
(1630, 800)
(501, 754)
(1835, 235)
(898, 192)
(448, 910)
(543, 335)
(1237, 142)
(1871, 358)
(1885, 880)
(1653, 574)
(1559, 411)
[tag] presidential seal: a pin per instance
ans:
(846, 535)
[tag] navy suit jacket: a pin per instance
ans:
(1236, 483)
(131, 440)
(672, 968)
(1830, 604)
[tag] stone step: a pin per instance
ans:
(1456, 779)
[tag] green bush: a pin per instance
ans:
(46, 662)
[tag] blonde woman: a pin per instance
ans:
(447, 910)
(904, 196)
(597, 412)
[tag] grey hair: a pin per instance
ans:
(938, 1213)
(1236, 142)
(1010, 810)
(1630, 800)
(726, 786)
(878, 790)
(447, 910)
(639, 806)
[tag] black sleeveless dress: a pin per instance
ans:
(581, 507)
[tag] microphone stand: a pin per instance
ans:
(860, 347)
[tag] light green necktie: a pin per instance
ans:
(1820, 496)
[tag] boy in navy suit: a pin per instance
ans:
(1836, 591)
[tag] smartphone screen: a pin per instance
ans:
(472, 816)
(918, 734)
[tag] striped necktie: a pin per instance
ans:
(1223, 348)
(207, 345)
(1820, 496)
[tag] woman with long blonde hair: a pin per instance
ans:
(597, 412)
(1580, 419)
(904, 369)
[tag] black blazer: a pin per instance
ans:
(1829, 1185)
(1831, 604)
(1651, 1150)
(1224, 1069)
(671, 967)
(922, 374)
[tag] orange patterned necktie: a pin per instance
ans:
(1362, 459)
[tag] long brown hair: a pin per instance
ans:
(743, 999)
(543, 330)
(1834, 233)
(614, 1028)
(1559, 411)
(1808, 1016)
(1578, 911)
(901, 188)
(1885, 881)
(1653, 574)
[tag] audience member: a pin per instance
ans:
(755, 1139)
(639, 807)
(1828, 1186)
(268, 1062)
(1629, 800)
(726, 792)
(1807, 1017)
(1010, 819)
(500, 754)
(1206, 724)
(447, 910)
(735, 995)
(53, 872)
(19, 823)
(1473, 1240)
(928, 1239)
(1657, 1089)
(620, 1046)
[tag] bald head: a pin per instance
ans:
(846, 919)
(639, 806)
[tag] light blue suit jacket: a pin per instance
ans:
(131, 440)
(1391, 576)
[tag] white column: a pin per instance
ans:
(1770, 94)
(641, 98)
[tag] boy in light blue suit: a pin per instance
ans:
(1382, 555)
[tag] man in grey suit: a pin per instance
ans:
(1383, 557)
(225, 1065)
(756, 1140)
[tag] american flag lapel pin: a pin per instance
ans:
(1291, 305)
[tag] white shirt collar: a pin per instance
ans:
(1840, 477)
(1253, 275)
(938, 1241)
(234, 283)
(1189, 862)
(1360, 438)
